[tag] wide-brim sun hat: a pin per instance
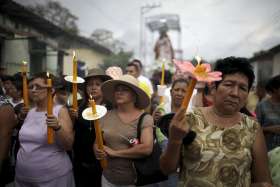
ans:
(108, 90)
(97, 73)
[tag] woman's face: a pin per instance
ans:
(231, 94)
(124, 95)
(93, 88)
(178, 92)
(14, 93)
(38, 90)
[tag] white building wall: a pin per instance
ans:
(276, 65)
(90, 57)
(14, 52)
(51, 61)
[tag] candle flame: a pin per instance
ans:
(24, 62)
(198, 59)
(48, 75)
(74, 54)
(90, 96)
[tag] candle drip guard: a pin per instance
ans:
(100, 112)
(69, 78)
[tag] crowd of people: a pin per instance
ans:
(230, 147)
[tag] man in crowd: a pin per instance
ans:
(133, 69)
(141, 77)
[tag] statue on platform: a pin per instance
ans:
(163, 48)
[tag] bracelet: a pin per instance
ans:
(57, 129)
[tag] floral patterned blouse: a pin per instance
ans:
(219, 157)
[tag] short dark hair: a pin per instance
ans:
(138, 62)
(134, 65)
(180, 80)
(17, 81)
(232, 65)
(273, 84)
(7, 78)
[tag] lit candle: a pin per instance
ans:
(24, 84)
(162, 74)
(50, 131)
(98, 135)
(75, 67)
(191, 86)
(75, 85)
(162, 80)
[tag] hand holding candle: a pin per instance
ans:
(50, 131)
(24, 84)
(199, 73)
(98, 135)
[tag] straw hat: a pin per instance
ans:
(97, 73)
(108, 88)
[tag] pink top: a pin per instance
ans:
(38, 161)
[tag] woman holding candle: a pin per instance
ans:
(87, 169)
(229, 148)
(38, 162)
(119, 130)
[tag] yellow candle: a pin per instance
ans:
(162, 74)
(75, 67)
(161, 98)
(24, 84)
(50, 131)
(98, 135)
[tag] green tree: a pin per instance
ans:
(120, 59)
(58, 15)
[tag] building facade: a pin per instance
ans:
(46, 47)
(266, 63)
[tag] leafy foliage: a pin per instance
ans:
(58, 15)
(120, 59)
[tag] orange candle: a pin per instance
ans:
(75, 86)
(98, 135)
(50, 131)
(75, 67)
(188, 94)
(191, 86)
(75, 96)
(24, 84)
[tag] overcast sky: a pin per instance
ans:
(210, 28)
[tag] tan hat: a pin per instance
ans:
(108, 88)
(97, 73)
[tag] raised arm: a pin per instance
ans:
(177, 131)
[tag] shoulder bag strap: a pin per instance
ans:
(139, 125)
